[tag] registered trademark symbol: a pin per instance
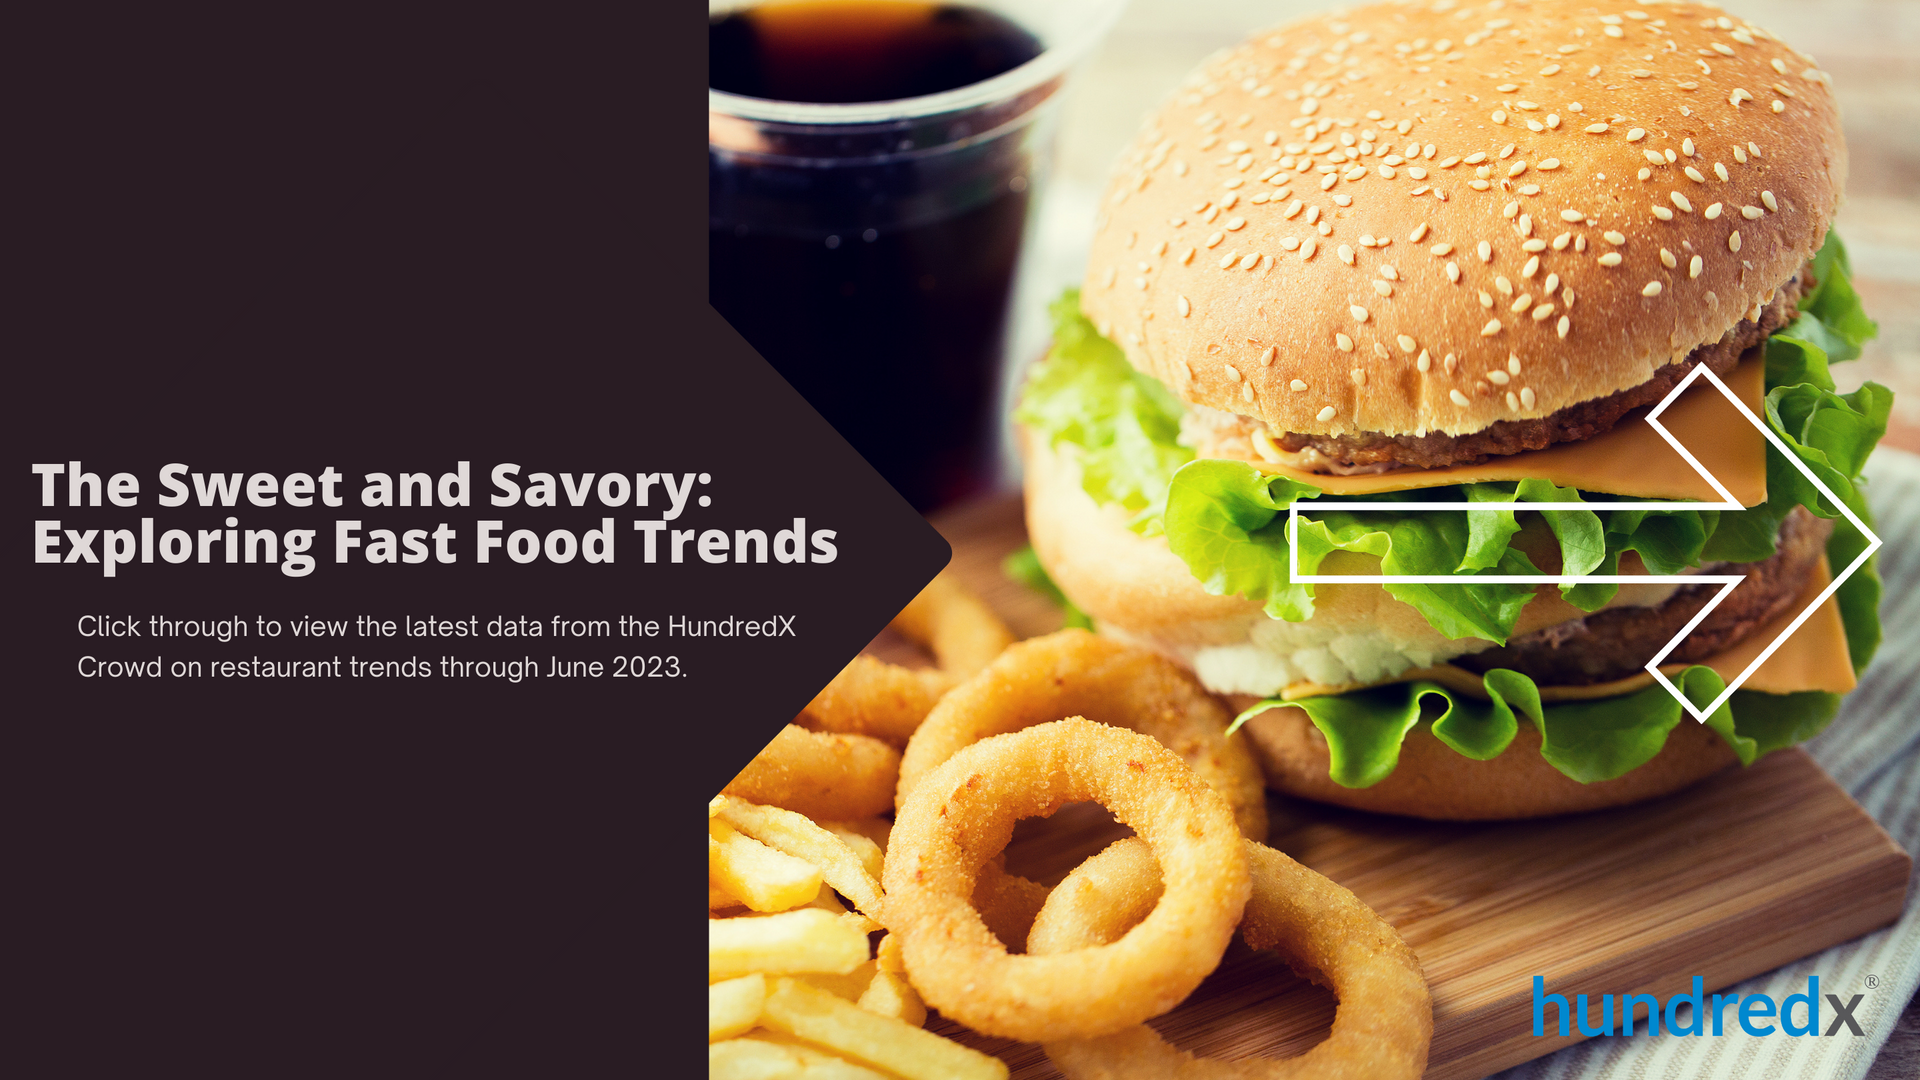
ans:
(1873, 982)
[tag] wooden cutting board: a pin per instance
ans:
(1741, 874)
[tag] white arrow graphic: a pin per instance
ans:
(1727, 582)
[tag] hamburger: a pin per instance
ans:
(1448, 253)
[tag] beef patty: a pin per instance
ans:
(1571, 424)
(1618, 642)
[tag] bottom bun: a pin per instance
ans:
(1435, 781)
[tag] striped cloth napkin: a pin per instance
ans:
(1873, 750)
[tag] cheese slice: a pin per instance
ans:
(1814, 658)
(1631, 459)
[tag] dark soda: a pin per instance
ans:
(872, 264)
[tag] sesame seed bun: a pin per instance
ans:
(1357, 299)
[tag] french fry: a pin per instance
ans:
(849, 986)
(760, 1058)
(763, 879)
(873, 858)
(876, 829)
(797, 835)
(733, 1006)
(889, 994)
(887, 955)
(791, 942)
(820, 1018)
(719, 899)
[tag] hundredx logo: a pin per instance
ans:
(1727, 582)
(1709, 1015)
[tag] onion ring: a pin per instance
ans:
(963, 813)
(1385, 1020)
(887, 701)
(1007, 903)
(821, 775)
(1075, 673)
(873, 697)
(961, 630)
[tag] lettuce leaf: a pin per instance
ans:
(1587, 741)
(1024, 567)
(1125, 424)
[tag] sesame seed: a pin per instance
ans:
(1722, 48)
(1534, 245)
(1550, 164)
(1379, 350)
(1516, 169)
(1610, 259)
(1767, 197)
(1652, 289)
(1359, 313)
(1560, 242)
(1693, 174)
(1532, 267)
(1386, 172)
(1345, 253)
(1486, 251)
(1329, 180)
(1499, 116)
(1580, 243)
(1755, 147)
(1572, 216)
(1475, 158)
(1343, 200)
(1140, 283)
(1407, 344)
(1236, 224)
(1550, 69)
(1298, 386)
(1778, 106)
(1779, 65)
(1596, 129)
(1478, 185)
(1695, 266)
(1536, 126)
(1522, 304)
(1214, 240)
(1645, 172)
(1720, 170)
(1453, 272)
(1553, 283)
(1425, 362)
(1614, 31)
(1654, 157)
(1447, 163)
(1636, 134)
(1512, 208)
(1506, 151)
(1513, 402)
(1663, 213)
(1188, 257)
(1451, 363)
(1293, 208)
(1383, 288)
(1186, 307)
(1733, 242)
(1500, 282)
(1740, 154)
(1553, 121)
(1614, 238)
(1289, 243)
(1389, 271)
(1486, 301)
(1247, 391)
(1498, 377)
(1459, 398)
(1249, 260)
(1325, 414)
(1492, 328)
(1751, 212)
(1229, 259)
(1667, 259)
(1686, 147)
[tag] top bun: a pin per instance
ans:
(1393, 182)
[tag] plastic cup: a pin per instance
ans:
(869, 250)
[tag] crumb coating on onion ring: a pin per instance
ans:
(821, 775)
(1075, 673)
(1385, 1020)
(962, 814)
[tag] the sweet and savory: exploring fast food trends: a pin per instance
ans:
(1385, 1018)
(962, 813)
(1075, 673)
(1303, 291)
